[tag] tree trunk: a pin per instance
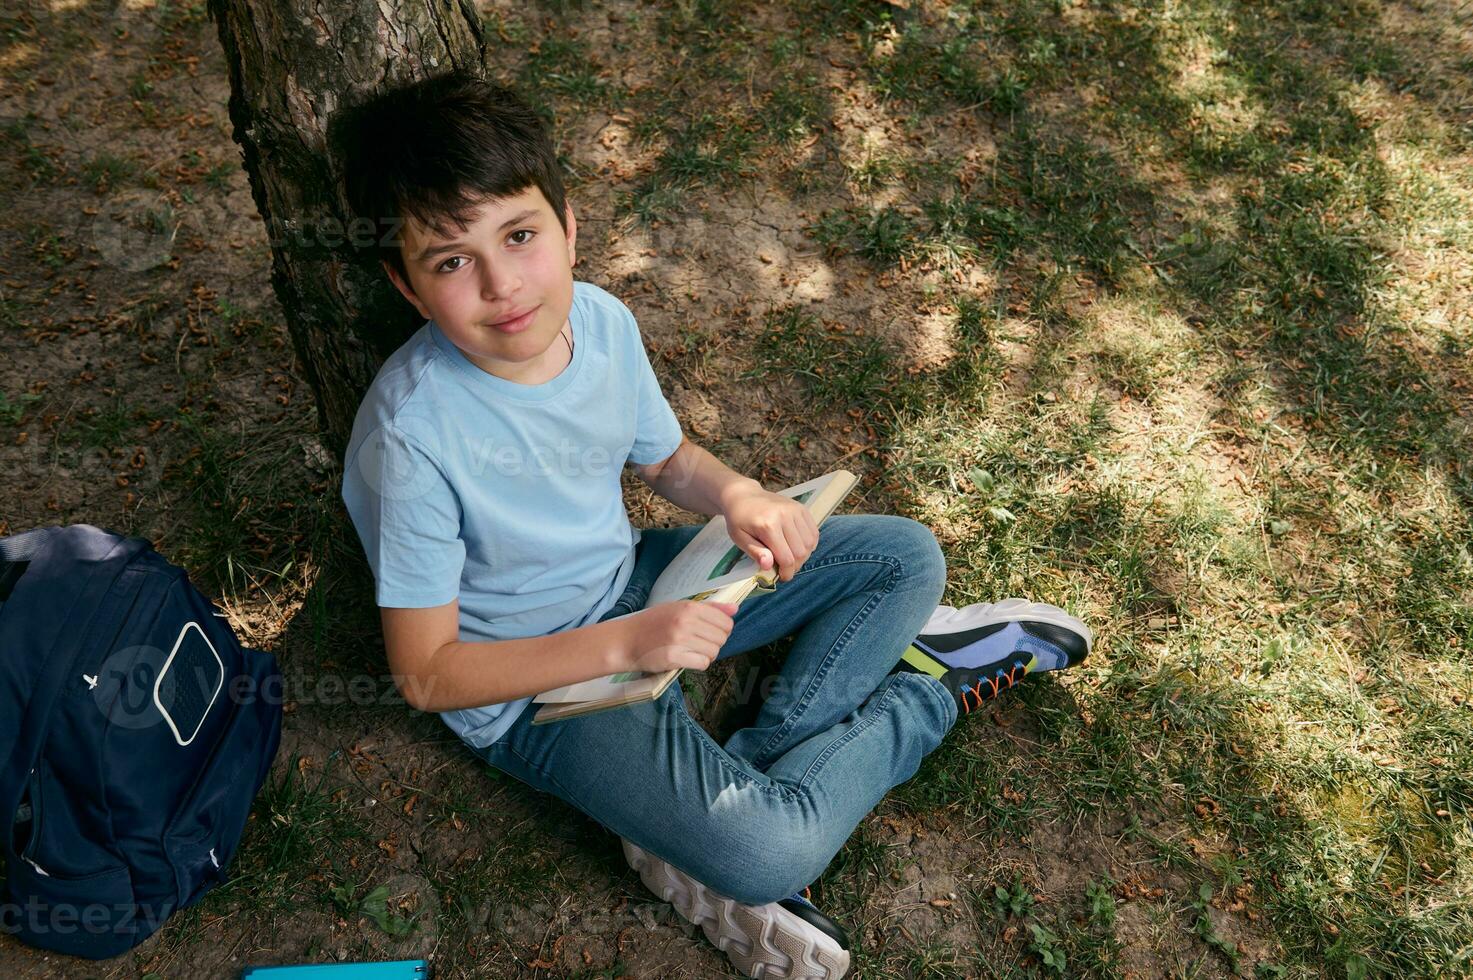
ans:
(292, 64)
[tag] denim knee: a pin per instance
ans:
(756, 869)
(920, 555)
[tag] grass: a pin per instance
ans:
(834, 367)
(16, 134)
(106, 170)
(308, 827)
(1204, 292)
(254, 520)
(13, 408)
(1220, 683)
(107, 429)
(698, 151)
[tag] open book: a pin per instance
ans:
(711, 568)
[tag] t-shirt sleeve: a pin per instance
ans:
(657, 430)
(408, 517)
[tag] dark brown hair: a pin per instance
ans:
(437, 148)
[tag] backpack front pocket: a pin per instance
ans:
(92, 915)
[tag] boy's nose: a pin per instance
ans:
(498, 284)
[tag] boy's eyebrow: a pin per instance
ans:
(433, 250)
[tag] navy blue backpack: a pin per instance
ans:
(134, 733)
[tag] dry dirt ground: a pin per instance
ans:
(143, 346)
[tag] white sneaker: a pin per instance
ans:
(789, 939)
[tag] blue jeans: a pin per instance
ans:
(761, 817)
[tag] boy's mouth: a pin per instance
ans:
(516, 324)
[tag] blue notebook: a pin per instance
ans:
(396, 970)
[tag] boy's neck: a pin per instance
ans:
(552, 362)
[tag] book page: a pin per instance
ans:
(713, 560)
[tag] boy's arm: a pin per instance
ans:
(693, 479)
(772, 529)
(436, 671)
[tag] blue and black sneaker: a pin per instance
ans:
(983, 649)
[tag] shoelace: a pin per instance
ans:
(806, 896)
(994, 685)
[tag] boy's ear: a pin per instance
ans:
(572, 235)
(406, 290)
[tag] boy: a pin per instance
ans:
(483, 477)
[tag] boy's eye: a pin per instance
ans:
(453, 258)
(522, 231)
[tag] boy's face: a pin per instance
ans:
(512, 259)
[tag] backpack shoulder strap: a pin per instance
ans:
(16, 553)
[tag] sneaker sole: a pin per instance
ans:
(765, 942)
(948, 620)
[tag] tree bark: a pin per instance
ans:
(293, 63)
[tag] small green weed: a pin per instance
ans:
(374, 905)
(1101, 903)
(1202, 926)
(1012, 901)
(12, 410)
(1046, 946)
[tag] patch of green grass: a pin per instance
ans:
(16, 133)
(255, 520)
(13, 408)
(104, 428)
(1079, 197)
(173, 15)
(496, 887)
(140, 88)
(48, 246)
(836, 368)
(931, 69)
(218, 176)
(706, 149)
(107, 170)
(296, 824)
(883, 236)
(702, 30)
(701, 151)
(791, 109)
(564, 66)
(875, 170)
(930, 957)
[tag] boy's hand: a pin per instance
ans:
(771, 529)
(675, 634)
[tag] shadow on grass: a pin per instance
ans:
(1282, 275)
(1286, 280)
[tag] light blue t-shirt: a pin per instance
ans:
(463, 484)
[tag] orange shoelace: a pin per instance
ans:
(995, 685)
